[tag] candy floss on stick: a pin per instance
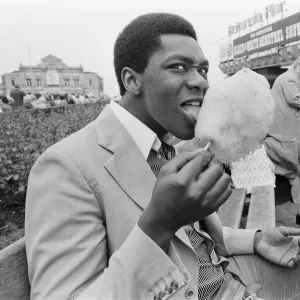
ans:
(236, 115)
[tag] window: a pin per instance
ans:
(29, 82)
(67, 84)
(38, 82)
(12, 82)
(90, 82)
(76, 83)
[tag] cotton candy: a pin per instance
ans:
(236, 115)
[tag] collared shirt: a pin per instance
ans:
(143, 136)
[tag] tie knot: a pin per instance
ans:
(168, 150)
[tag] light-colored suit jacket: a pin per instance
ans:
(85, 196)
(286, 94)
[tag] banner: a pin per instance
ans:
(52, 77)
(226, 51)
(277, 34)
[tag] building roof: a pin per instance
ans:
(93, 73)
(51, 57)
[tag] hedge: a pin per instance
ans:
(26, 134)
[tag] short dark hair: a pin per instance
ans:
(141, 38)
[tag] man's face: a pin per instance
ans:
(173, 85)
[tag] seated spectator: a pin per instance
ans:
(27, 99)
(4, 105)
(10, 99)
(3, 97)
(41, 102)
(81, 99)
(76, 99)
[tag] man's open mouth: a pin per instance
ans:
(192, 109)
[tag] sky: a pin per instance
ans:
(84, 31)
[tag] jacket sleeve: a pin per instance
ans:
(229, 241)
(239, 241)
(292, 92)
(66, 242)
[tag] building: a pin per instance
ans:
(269, 50)
(54, 77)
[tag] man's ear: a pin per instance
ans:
(131, 81)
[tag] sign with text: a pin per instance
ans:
(280, 33)
(226, 51)
(52, 77)
(272, 9)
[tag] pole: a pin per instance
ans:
(31, 75)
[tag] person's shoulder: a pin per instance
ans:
(290, 75)
(80, 144)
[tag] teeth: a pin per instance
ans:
(193, 103)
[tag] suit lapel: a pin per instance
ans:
(127, 164)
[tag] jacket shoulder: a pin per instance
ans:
(82, 146)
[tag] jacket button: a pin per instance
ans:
(190, 293)
(169, 290)
(174, 285)
(162, 294)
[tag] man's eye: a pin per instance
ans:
(178, 67)
(203, 71)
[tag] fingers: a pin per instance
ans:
(216, 195)
(294, 262)
(221, 199)
(195, 167)
(289, 231)
(196, 160)
(219, 187)
(213, 176)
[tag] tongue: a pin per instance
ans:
(193, 111)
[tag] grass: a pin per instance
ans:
(9, 234)
(12, 218)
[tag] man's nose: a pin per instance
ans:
(196, 81)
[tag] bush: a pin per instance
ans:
(26, 134)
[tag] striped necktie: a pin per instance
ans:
(210, 276)
(157, 159)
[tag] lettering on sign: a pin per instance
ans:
(280, 33)
(270, 10)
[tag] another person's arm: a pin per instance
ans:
(292, 92)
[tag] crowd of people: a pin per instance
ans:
(18, 99)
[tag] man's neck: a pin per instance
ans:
(136, 107)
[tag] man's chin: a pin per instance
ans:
(185, 135)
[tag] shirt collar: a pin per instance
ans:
(142, 135)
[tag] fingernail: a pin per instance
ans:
(205, 154)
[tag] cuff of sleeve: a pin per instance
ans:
(149, 263)
(240, 241)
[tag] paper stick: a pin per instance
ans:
(207, 146)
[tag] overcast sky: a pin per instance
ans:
(84, 31)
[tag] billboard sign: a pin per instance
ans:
(226, 51)
(52, 77)
(277, 34)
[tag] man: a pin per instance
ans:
(17, 94)
(286, 94)
(100, 225)
(4, 102)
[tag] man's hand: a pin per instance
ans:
(279, 245)
(189, 188)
